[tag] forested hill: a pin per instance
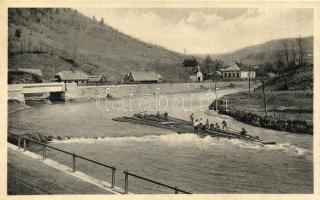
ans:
(251, 54)
(40, 37)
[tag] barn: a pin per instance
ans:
(142, 77)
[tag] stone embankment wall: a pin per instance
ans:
(118, 91)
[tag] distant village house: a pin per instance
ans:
(309, 56)
(24, 75)
(142, 77)
(198, 76)
(233, 71)
(72, 76)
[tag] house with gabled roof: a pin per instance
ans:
(234, 71)
(142, 77)
(24, 75)
(72, 76)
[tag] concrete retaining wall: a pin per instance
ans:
(15, 93)
(117, 91)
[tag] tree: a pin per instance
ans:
(293, 60)
(301, 54)
(18, 33)
(101, 22)
(190, 62)
(261, 57)
(217, 64)
(10, 43)
(278, 62)
(286, 52)
(207, 64)
(29, 42)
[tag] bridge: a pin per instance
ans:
(17, 91)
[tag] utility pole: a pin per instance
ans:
(52, 65)
(264, 94)
(177, 72)
(249, 77)
(226, 103)
(215, 91)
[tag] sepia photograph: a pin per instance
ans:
(158, 100)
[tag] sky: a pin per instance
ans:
(207, 30)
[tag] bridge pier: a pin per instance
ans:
(57, 96)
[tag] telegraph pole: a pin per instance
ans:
(52, 66)
(177, 72)
(249, 77)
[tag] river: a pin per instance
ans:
(198, 165)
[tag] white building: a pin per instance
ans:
(233, 71)
(198, 77)
(246, 74)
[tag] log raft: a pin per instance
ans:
(182, 126)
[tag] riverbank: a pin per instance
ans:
(290, 111)
(16, 106)
(28, 177)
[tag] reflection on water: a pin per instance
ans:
(199, 165)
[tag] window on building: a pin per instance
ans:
(229, 75)
(238, 75)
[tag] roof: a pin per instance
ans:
(96, 78)
(72, 75)
(37, 72)
(232, 67)
(238, 67)
(144, 75)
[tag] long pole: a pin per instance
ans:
(264, 94)
(126, 182)
(226, 104)
(177, 73)
(215, 90)
(52, 66)
(249, 77)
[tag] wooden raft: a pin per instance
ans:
(182, 126)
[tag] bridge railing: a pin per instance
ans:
(126, 183)
(24, 140)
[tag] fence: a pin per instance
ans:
(74, 156)
(126, 183)
(74, 159)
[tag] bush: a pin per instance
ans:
(18, 33)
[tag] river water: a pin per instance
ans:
(198, 165)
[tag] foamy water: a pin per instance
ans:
(190, 140)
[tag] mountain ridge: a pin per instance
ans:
(41, 38)
(247, 55)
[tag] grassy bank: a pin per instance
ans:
(286, 110)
